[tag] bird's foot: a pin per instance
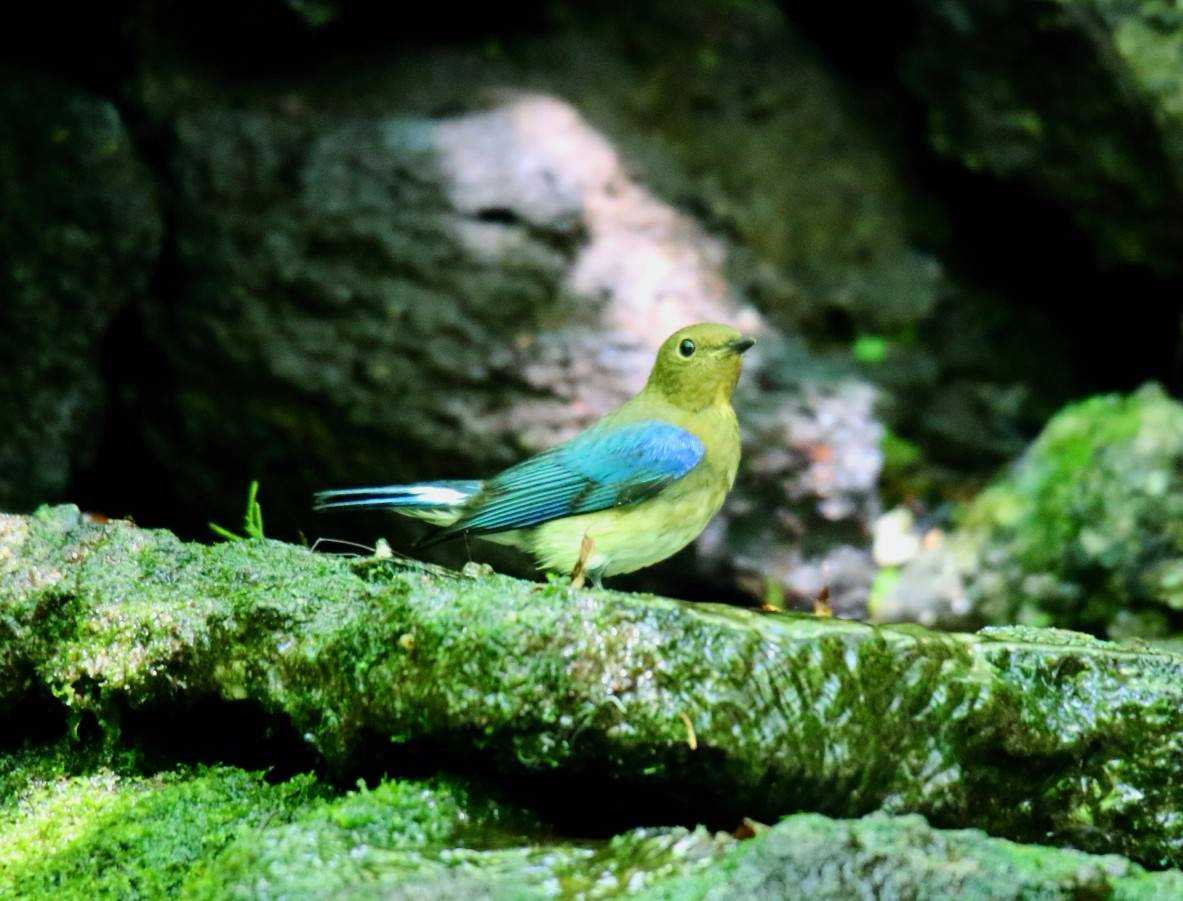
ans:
(580, 573)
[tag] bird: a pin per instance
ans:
(629, 491)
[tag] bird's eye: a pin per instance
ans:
(686, 348)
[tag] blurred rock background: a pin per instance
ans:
(328, 243)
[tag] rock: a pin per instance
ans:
(896, 539)
(775, 148)
(79, 239)
(719, 713)
(1096, 128)
(813, 439)
(1082, 532)
(811, 856)
(407, 300)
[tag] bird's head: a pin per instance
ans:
(698, 365)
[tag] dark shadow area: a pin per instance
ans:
(102, 46)
(38, 718)
(126, 479)
(577, 803)
(573, 802)
(1119, 325)
(212, 730)
(865, 52)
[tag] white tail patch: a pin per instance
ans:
(437, 495)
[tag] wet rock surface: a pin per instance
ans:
(711, 713)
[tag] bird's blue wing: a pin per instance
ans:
(601, 468)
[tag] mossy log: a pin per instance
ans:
(1034, 735)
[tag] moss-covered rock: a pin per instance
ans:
(437, 840)
(719, 712)
(77, 826)
(78, 239)
(1083, 532)
(810, 856)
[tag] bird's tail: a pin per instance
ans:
(435, 502)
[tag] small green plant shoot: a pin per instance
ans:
(252, 519)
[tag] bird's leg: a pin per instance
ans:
(597, 576)
(580, 573)
(821, 603)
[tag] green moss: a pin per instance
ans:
(1083, 532)
(102, 833)
(444, 841)
(341, 844)
(725, 712)
(74, 828)
(903, 857)
(71, 827)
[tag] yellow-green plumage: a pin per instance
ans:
(652, 516)
(632, 537)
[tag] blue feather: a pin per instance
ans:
(601, 468)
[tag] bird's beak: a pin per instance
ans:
(739, 345)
